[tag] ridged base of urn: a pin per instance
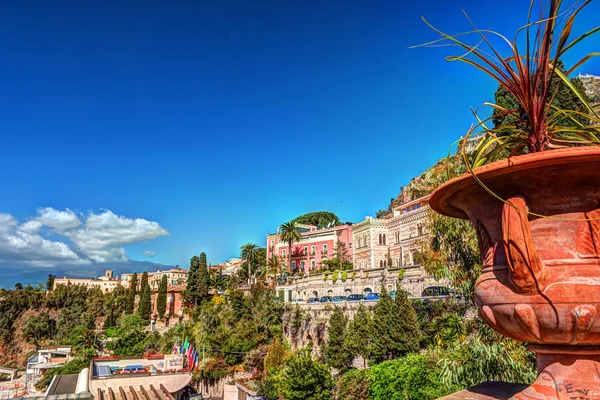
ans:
(565, 373)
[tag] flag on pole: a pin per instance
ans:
(175, 346)
(196, 360)
(189, 356)
(184, 347)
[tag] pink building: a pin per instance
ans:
(316, 245)
(175, 301)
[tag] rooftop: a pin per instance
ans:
(63, 384)
(57, 348)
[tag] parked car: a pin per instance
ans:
(338, 299)
(436, 291)
(409, 295)
(312, 300)
(326, 299)
(355, 297)
(372, 297)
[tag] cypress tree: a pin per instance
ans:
(336, 353)
(359, 334)
(50, 282)
(203, 281)
(145, 306)
(130, 306)
(397, 330)
(161, 301)
(202, 260)
(190, 290)
(406, 333)
(144, 281)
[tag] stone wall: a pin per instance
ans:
(308, 322)
(361, 281)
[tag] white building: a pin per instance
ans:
(47, 357)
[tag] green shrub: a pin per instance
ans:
(353, 385)
(305, 379)
(334, 276)
(483, 359)
(353, 274)
(401, 274)
(414, 377)
(344, 275)
(325, 275)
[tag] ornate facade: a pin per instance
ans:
(374, 242)
(398, 236)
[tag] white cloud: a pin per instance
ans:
(95, 237)
(57, 219)
(103, 236)
(149, 253)
(23, 246)
(32, 227)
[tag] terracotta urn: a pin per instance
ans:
(541, 276)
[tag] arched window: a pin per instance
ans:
(380, 263)
(384, 238)
(415, 258)
(380, 241)
(419, 229)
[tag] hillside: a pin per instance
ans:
(591, 84)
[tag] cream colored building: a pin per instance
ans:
(107, 283)
(175, 277)
(400, 235)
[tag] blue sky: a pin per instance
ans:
(219, 120)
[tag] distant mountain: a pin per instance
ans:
(38, 275)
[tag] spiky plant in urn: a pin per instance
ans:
(532, 191)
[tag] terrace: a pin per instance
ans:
(159, 376)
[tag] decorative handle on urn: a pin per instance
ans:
(527, 272)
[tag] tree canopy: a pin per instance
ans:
(320, 219)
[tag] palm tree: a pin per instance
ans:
(249, 252)
(290, 233)
(87, 343)
(273, 265)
